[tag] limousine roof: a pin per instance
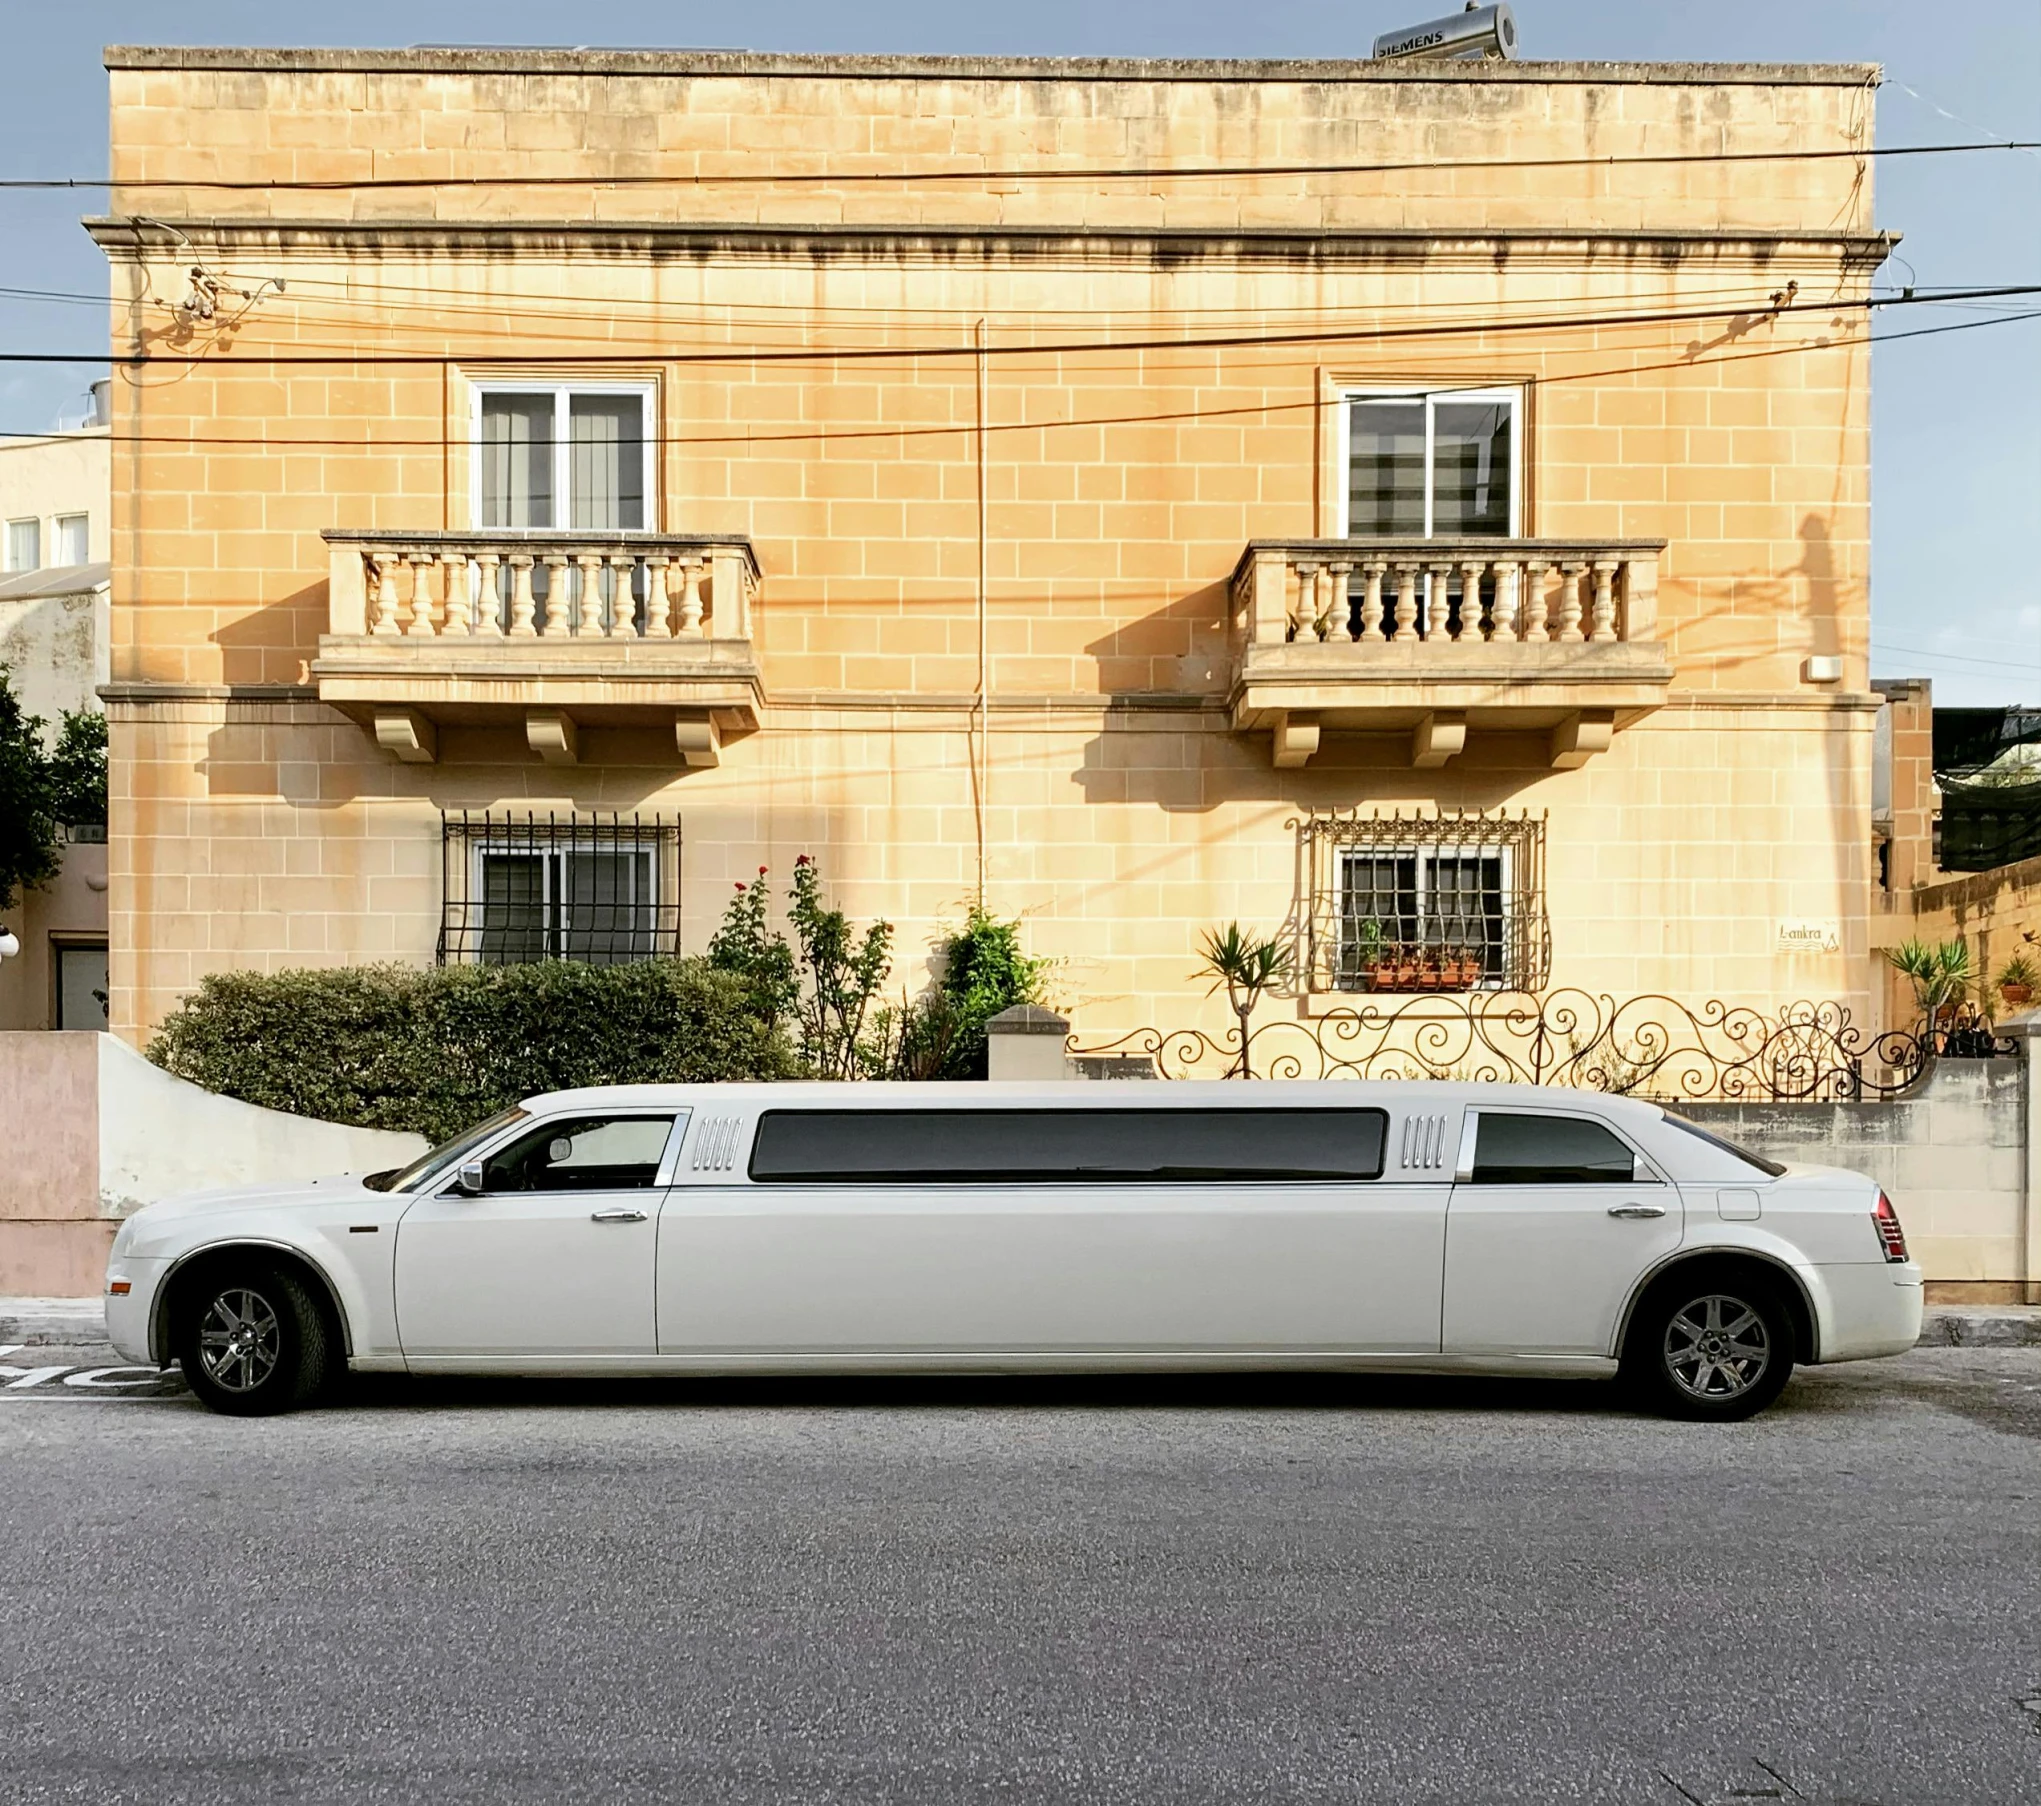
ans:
(1177, 1094)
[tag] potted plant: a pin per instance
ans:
(1939, 974)
(2016, 981)
(1368, 960)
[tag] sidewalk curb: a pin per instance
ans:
(2009, 1326)
(53, 1322)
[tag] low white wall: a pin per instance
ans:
(159, 1135)
(1951, 1153)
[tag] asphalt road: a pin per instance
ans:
(1154, 1592)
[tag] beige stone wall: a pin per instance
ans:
(1123, 475)
(1118, 837)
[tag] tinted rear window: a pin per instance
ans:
(1036, 1146)
(1548, 1150)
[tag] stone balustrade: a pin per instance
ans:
(546, 586)
(1372, 592)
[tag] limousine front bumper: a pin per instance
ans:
(1868, 1310)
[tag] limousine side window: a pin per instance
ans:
(1522, 1149)
(582, 1153)
(861, 1147)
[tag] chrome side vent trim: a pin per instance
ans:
(1424, 1144)
(715, 1144)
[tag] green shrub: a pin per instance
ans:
(395, 1047)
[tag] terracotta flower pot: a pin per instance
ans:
(2016, 996)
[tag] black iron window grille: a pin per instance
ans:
(600, 888)
(1452, 902)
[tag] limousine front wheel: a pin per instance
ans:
(251, 1340)
(1714, 1346)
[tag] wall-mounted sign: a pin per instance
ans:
(1809, 936)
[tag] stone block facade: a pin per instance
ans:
(997, 390)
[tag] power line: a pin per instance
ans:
(1153, 172)
(867, 353)
(831, 435)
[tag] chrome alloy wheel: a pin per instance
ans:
(1717, 1348)
(239, 1340)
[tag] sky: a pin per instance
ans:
(1956, 420)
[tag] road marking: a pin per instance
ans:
(97, 1376)
(24, 1377)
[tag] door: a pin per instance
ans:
(552, 1260)
(1554, 1219)
(1074, 1234)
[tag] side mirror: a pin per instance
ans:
(468, 1181)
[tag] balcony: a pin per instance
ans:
(1434, 639)
(548, 632)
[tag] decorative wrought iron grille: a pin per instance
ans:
(1448, 902)
(1653, 1047)
(600, 888)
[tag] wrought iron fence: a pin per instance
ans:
(1650, 1047)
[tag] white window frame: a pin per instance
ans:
(1512, 393)
(647, 393)
(60, 522)
(552, 858)
(24, 520)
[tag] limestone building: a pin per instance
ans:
(1417, 509)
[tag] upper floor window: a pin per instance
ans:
(1426, 464)
(563, 457)
(24, 545)
(74, 538)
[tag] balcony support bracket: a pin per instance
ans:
(553, 736)
(407, 735)
(1580, 736)
(1296, 739)
(700, 742)
(1438, 737)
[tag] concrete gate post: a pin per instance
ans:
(2025, 1028)
(1026, 1042)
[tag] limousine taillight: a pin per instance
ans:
(1886, 1221)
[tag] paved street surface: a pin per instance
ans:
(1155, 1592)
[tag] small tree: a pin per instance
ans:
(844, 974)
(28, 828)
(1244, 968)
(77, 771)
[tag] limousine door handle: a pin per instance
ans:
(620, 1214)
(1636, 1210)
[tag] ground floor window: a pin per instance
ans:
(81, 983)
(1426, 903)
(605, 889)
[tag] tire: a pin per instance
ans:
(252, 1340)
(1711, 1345)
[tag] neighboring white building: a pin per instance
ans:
(55, 540)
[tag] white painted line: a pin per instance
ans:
(32, 1376)
(97, 1376)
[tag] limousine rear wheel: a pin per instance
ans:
(252, 1340)
(1711, 1345)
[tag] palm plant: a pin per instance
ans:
(1245, 968)
(1938, 971)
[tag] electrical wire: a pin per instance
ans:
(1775, 311)
(832, 435)
(1153, 172)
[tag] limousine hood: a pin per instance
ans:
(236, 1197)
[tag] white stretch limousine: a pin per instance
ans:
(646, 1229)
